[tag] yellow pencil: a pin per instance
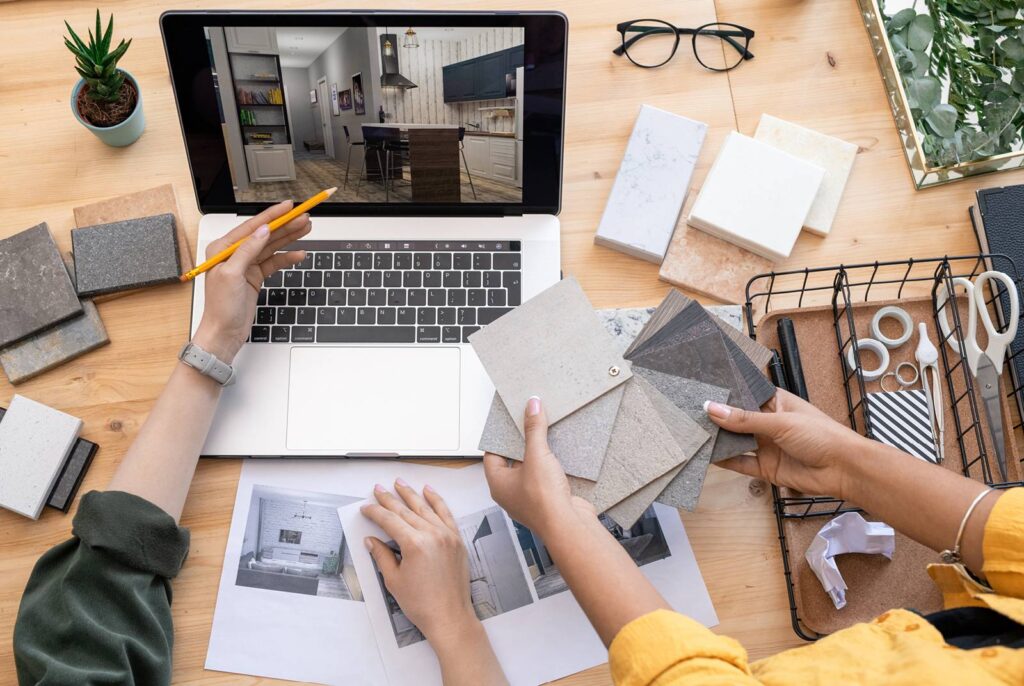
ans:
(273, 225)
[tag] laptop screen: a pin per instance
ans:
(401, 113)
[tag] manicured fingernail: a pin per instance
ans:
(533, 406)
(379, 489)
(401, 482)
(717, 410)
(428, 487)
(263, 231)
(368, 543)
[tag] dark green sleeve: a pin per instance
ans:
(97, 608)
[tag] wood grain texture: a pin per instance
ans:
(52, 165)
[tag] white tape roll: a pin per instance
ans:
(875, 347)
(900, 315)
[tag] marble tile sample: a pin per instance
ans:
(625, 323)
(524, 357)
(579, 441)
(125, 255)
(756, 197)
(72, 475)
(701, 263)
(651, 185)
(35, 289)
(832, 154)
(34, 442)
(52, 347)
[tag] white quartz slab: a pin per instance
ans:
(832, 154)
(34, 442)
(756, 197)
(651, 185)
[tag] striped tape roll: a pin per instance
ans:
(900, 419)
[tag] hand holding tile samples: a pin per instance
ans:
(630, 437)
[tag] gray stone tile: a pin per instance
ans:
(126, 254)
(52, 347)
(71, 477)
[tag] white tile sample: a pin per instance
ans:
(832, 154)
(651, 185)
(756, 197)
(34, 441)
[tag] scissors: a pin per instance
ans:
(985, 365)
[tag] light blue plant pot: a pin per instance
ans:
(119, 135)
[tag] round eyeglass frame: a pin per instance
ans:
(747, 35)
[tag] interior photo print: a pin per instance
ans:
(496, 580)
(294, 543)
(386, 114)
(644, 541)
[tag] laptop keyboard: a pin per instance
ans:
(389, 292)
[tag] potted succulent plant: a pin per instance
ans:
(106, 100)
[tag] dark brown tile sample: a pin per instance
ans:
(126, 254)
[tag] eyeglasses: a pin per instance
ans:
(650, 43)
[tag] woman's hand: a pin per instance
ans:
(798, 445)
(232, 286)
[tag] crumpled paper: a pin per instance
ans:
(847, 533)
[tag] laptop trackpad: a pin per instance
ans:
(373, 399)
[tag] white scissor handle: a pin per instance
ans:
(997, 340)
(970, 339)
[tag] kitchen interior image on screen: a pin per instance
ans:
(388, 115)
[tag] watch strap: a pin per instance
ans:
(207, 364)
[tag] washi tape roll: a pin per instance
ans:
(875, 347)
(900, 315)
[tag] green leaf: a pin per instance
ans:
(921, 60)
(922, 29)
(942, 119)
(901, 19)
(1013, 49)
(925, 92)
(105, 46)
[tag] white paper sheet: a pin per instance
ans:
(540, 638)
(847, 533)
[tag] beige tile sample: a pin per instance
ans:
(699, 262)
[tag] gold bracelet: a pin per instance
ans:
(953, 556)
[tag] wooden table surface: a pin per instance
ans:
(813, 66)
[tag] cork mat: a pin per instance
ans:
(875, 584)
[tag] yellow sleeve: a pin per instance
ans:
(664, 647)
(1003, 545)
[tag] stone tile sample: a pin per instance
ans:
(756, 196)
(832, 154)
(579, 441)
(651, 185)
(624, 324)
(72, 475)
(125, 255)
(701, 263)
(552, 346)
(34, 442)
(52, 347)
(35, 289)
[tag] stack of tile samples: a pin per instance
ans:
(629, 429)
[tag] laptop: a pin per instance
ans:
(443, 134)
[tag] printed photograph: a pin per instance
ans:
(496, 580)
(294, 543)
(645, 542)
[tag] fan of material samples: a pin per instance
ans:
(629, 429)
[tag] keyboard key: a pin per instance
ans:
(432, 279)
(325, 315)
(342, 260)
(306, 315)
(396, 297)
(457, 297)
(403, 260)
(446, 316)
(306, 263)
(472, 279)
(292, 279)
(412, 279)
(450, 334)
(364, 260)
(280, 334)
(496, 297)
(286, 315)
(426, 315)
(386, 315)
(382, 260)
(259, 334)
(421, 261)
(277, 296)
(417, 297)
(317, 296)
(261, 298)
(466, 316)
(481, 261)
(492, 279)
(451, 279)
(442, 260)
(366, 334)
(513, 284)
(406, 315)
(392, 279)
(427, 334)
(366, 315)
(346, 315)
(336, 297)
(264, 315)
(373, 279)
(462, 260)
(353, 279)
(303, 334)
(334, 279)
(274, 280)
(436, 297)
(477, 297)
(376, 296)
(323, 260)
(508, 260)
(357, 297)
(486, 315)
(468, 331)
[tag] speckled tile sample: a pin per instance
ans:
(35, 289)
(71, 476)
(651, 185)
(704, 264)
(625, 324)
(34, 442)
(52, 347)
(126, 254)
(579, 440)
(552, 346)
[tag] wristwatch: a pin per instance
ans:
(207, 364)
